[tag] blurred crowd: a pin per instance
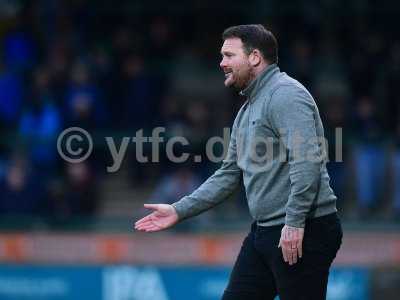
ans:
(115, 69)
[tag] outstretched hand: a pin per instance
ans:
(163, 216)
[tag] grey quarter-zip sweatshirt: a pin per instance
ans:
(277, 145)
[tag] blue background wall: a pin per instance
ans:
(144, 283)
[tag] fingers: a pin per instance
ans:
(298, 242)
(147, 218)
(142, 223)
(283, 249)
(289, 255)
(286, 246)
(292, 244)
(285, 257)
(152, 206)
(286, 251)
(293, 253)
(143, 220)
(147, 224)
(153, 228)
(148, 227)
(141, 226)
(300, 248)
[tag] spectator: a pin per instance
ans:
(20, 193)
(77, 196)
(19, 51)
(84, 105)
(11, 94)
(138, 106)
(40, 125)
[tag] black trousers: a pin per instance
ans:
(260, 273)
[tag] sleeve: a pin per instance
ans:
(293, 114)
(216, 188)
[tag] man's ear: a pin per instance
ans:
(255, 57)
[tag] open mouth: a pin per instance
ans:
(228, 74)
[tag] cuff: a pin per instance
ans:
(295, 221)
(179, 210)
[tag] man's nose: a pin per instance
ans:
(222, 64)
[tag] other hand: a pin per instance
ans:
(163, 216)
(291, 242)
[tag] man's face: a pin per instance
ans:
(235, 64)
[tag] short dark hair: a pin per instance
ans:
(255, 36)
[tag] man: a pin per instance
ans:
(296, 233)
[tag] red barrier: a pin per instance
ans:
(361, 249)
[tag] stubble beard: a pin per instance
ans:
(243, 79)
